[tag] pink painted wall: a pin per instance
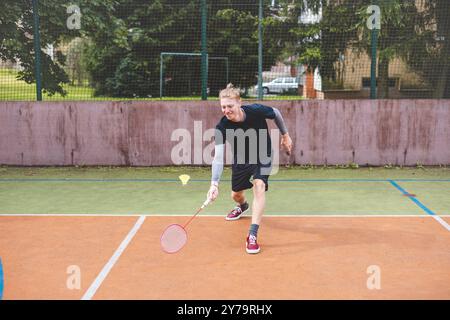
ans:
(402, 132)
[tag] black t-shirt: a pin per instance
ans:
(245, 136)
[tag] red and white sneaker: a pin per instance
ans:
(237, 212)
(251, 245)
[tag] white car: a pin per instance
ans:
(279, 85)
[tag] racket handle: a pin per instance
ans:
(207, 201)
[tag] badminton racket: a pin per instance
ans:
(174, 237)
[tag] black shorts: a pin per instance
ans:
(242, 173)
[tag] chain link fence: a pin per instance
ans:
(305, 49)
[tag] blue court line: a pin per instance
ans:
(413, 199)
(208, 180)
(1, 279)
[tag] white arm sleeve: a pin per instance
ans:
(217, 164)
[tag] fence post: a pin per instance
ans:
(204, 52)
(161, 75)
(37, 51)
(376, 25)
(260, 51)
(373, 66)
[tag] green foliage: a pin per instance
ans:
(236, 38)
(318, 43)
(123, 39)
(124, 57)
(75, 65)
(139, 31)
(129, 71)
(408, 32)
(17, 43)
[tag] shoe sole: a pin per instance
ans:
(238, 217)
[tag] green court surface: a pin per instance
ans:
(158, 191)
(434, 195)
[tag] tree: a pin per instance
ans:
(125, 38)
(407, 32)
(431, 55)
(318, 34)
(399, 34)
(233, 32)
(16, 35)
(124, 58)
(75, 60)
(410, 30)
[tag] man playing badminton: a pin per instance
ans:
(245, 128)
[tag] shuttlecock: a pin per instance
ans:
(184, 179)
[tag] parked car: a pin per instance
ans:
(279, 85)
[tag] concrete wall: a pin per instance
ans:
(138, 133)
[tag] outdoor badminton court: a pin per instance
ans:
(88, 236)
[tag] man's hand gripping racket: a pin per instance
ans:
(213, 192)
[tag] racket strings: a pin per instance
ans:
(173, 238)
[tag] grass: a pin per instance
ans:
(12, 89)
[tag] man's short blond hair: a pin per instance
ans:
(230, 92)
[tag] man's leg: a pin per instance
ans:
(240, 181)
(259, 200)
(242, 206)
(238, 197)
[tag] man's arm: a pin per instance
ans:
(271, 113)
(285, 138)
(217, 169)
(217, 164)
(280, 121)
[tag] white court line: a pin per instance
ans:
(318, 215)
(441, 221)
(112, 261)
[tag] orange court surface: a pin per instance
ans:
(302, 258)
